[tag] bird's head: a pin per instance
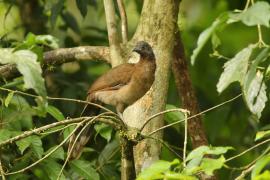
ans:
(144, 49)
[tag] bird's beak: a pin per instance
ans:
(137, 49)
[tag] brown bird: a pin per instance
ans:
(120, 87)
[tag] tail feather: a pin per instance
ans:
(86, 134)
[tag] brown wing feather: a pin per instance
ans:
(113, 79)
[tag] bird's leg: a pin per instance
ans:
(120, 115)
(120, 109)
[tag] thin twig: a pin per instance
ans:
(249, 149)
(43, 128)
(61, 99)
(249, 164)
(115, 53)
(76, 139)
(163, 143)
(185, 141)
(52, 151)
(123, 15)
(161, 113)
(244, 173)
(60, 129)
(247, 4)
(2, 171)
(207, 110)
(46, 127)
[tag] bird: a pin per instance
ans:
(120, 87)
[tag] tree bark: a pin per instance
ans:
(187, 94)
(157, 26)
(185, 90)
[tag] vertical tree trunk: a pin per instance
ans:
(157, 26)
(187, 94)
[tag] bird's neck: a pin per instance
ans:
(149, 58)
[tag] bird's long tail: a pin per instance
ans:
(86, 134)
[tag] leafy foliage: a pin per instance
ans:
(28, 66)
(231, 34)
(257, 14)
(196, 162)
(85, 169)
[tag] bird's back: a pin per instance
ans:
(119, 75)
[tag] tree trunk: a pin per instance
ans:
(187, 94)
(157, 26)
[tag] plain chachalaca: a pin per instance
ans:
(120, 87)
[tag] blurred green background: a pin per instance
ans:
(229, 125)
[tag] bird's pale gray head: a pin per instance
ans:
(144, 49)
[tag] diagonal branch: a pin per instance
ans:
(123, 15)
(115, 52)
(49, 126)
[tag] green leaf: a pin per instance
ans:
(206, 35)
(267, 73)
(34, 142)
(193, 165)
(255, 94)
(84, 169)
(82, 6)
(259, 13)
(31, 41)
(47, 40)
(255, 103)
(8, 98)
(58, 154)
(210, 165)
(174, 116)
(202, 150)
(155, 171)
(215, 41)
(18, 115)
(235, 69)
(262, 134)
(173, 175)
(41, 108)
(36, 146)
(264, 176)
(28, 66)
(262, 56)
(55, 11)
(5, 134)
(67, 131)
(104, 130)
(106, 153)
(259, 165)
(52, 169)
(71, 22)
(56, 113)
(23, 144)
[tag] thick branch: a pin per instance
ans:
(115, 52)
(187, 94)
(124, 27)
(63, 55)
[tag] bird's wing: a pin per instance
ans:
(114, 79)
